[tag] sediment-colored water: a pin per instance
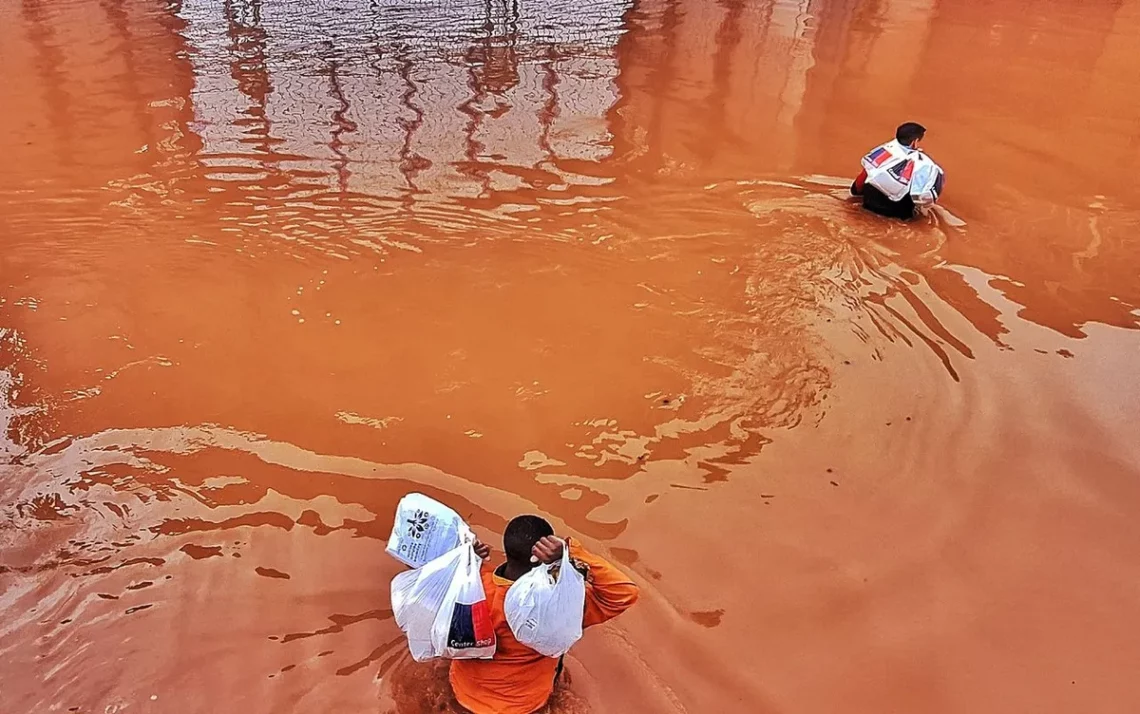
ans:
(267, 266)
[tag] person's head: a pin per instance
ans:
(910, 134)
(521, 535)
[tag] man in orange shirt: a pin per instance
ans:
(519, 680)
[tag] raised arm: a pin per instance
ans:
(609, 591)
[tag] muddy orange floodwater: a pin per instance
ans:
(266, 266)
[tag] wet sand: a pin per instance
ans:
(265, 269)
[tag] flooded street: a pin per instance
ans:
(267, 266)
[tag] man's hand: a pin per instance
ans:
(547, 550)
(482, 549)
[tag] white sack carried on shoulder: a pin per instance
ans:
(544, 611)
(896, 170)
(424, 530)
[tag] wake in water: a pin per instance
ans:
(407, 686)
(126, 531)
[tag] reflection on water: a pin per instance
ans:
(267, 266)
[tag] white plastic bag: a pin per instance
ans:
(544, 608)
(424, 530)
(896, 170)
(443, 610)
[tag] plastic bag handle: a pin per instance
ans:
(562, 564)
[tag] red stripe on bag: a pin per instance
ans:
(879, 156)
(481, 621)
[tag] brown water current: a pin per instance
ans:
(266, 266)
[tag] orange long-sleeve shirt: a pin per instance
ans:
(519, 680)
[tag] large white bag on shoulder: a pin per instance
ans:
(442, 608)
(544, 608)
(424, 530)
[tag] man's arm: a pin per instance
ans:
(609, 591)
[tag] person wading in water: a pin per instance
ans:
(897, 176)
(519, 680)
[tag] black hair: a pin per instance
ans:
(521, 535)
(909, 133)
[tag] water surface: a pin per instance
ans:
(267, 266)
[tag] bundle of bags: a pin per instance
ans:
(440, 603)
